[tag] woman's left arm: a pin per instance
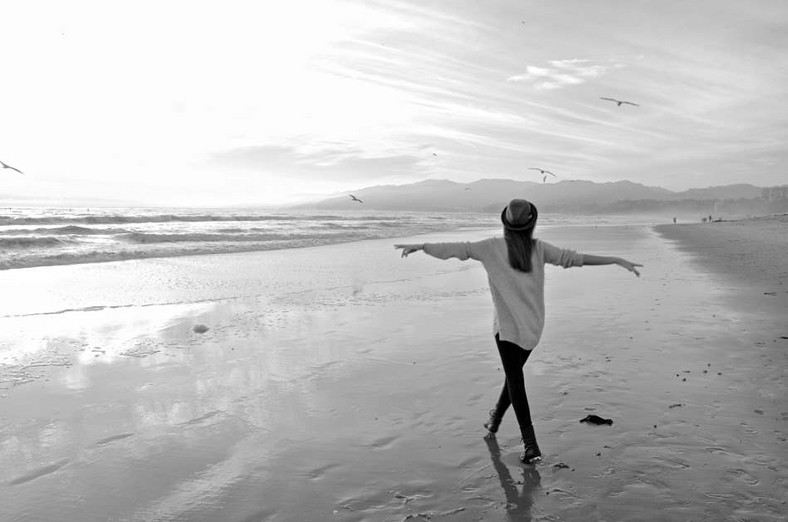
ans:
(462, 251)
(409, 249)
(589, 259)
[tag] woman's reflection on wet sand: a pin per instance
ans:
(518, 502)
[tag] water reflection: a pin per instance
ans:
(518, 501)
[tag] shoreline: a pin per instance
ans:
(750, 255)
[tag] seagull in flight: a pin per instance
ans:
(619, 102)
(544, 172)
(10, 167)
(354, 198)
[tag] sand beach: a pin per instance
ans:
(343, 383)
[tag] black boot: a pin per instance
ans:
(493, 422)
(531, 452)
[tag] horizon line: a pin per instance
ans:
(313, 198)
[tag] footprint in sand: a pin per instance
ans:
(749, 429)
(768, 461)
(674, 463)
(722, 451)
(40, 472)
(739, 475)
(721, 496)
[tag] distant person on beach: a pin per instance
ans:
(515, 271)
(674, 220)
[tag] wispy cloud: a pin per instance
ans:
(561, 73)
(337, 162)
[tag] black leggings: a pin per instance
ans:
(513, 393)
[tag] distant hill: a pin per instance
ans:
(741, 191)
(490, 195)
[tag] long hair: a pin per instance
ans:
(519, 245)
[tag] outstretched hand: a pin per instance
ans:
(409, 249)
(629, 266)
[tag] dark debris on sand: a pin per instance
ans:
(595, 419)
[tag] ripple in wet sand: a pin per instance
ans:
(201, 418)
(113, 438)
(320, 472)
(384, 443)
(40, 472)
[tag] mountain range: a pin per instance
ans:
(489, 195)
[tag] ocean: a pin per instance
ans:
(55, 236)
(31, 237)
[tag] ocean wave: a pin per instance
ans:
(108, 219)
(65, 230)
(340, 226)
(8, 243)
(232, 230)
(145, 238)
(103, 256)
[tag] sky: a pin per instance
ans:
(263, 103)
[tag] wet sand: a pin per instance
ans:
(344, 383)
(752, 252)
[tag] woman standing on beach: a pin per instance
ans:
(515, 270)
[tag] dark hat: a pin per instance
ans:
(519, 215)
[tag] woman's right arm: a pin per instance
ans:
(568, 258)
(592, 260)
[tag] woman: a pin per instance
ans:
(515, 270)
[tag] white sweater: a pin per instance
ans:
(518, 297)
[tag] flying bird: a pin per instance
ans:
(542, 171)
(619, 102)
(10, 167)
(354, 198)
